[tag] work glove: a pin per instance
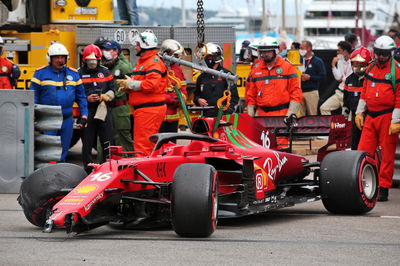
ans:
(294, 108)
(128, 84)
(251, 110)
(81, 121)
(359, 120)
(394, 128)
(105, 98)
(345, 112)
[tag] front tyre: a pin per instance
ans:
(194, 200)
(348, 182)
(42, 189)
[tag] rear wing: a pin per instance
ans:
(265, 130)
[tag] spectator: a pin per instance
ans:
(395, 35)
(120, 110)
(243, 50)
(128, 11)
(295, 46)
(341, 69)
(396, 54)
(9, 72)
(251, 54)
(352, 90)
(146, 88)
(252, 58)
(170, 123)
(378, 111)
(352, 39)
(57, 84)
(275, 87)
(210, 88)
(99, 88)
(282, 50)
(313, 74)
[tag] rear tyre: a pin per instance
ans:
(348, 182)
(194, 200)
(41, 190)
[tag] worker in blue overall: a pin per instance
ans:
(57, 84)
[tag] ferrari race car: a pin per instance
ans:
(227, 168)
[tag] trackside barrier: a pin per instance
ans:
(47, 148)
(16, 138)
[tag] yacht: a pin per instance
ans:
(327, 21)
(247, 25)
(228, 16)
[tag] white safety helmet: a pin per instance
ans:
(1, 46)
(253, 47)
(215, 50)
(146, 39)
(56, 49)
(173, 46)
(384, 43)
(268, 44)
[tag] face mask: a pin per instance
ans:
(91, 64)
(303, 52)
(340, 56)
(283, 53)
(209, 62)
(107, 55)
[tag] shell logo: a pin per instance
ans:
(74, 200)
(86, 189)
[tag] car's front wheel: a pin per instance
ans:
(41, 190)
(194, 200)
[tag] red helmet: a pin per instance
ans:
(361, 55)
(91, 52)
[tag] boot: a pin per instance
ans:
(383, 194)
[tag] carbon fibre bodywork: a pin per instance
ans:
(135, 192)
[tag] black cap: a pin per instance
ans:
(101, 41)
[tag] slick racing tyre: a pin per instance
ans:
(348, 182)
(194, 202)
(41, 190)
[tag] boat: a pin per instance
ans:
(326, 22)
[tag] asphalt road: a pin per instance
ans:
(301, 235)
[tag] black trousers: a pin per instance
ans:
(95, 128)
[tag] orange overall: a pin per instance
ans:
(381, 99)
(149, 102)
(271, 90)
(5, 71)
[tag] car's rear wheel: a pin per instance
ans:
(42, 189)
(348, 182)
(194, 200)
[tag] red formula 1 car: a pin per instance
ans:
(228, 169)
